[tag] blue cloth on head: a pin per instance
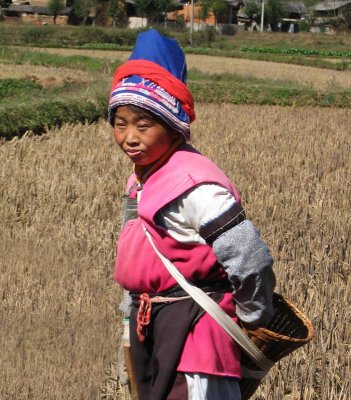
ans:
(164, 51)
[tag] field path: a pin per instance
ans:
(321, 79)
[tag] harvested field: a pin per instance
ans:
(321, 79)
(59, 214)
(44, 75)
(108, 54)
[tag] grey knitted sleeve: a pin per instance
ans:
(248, 263)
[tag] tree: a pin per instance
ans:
(154, 9)
(144, 7)
(216, 6)
(274, 12)
(205, 9)
(82, 8)
(347, 18)
(54, 7)
(2, 4)
(115, 11)
(253, 10)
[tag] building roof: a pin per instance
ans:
(291, 6)
(174, 3)
(20, 8)
(329, 5)
(297, 7)
(41, 10)
(235, 3)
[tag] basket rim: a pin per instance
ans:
(262, 331)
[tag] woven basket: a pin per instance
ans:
(288, 330)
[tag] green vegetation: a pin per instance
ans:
(236, 89)
(19, 56)
(81, 9)
(13, 87)
(253, 9)
(76, 36)
(215, 6)
(27, 105)
(38, 114)
(105, 46)
(64, 36)
(274, 12)
(297, 59)
(115, 11)
(305, 48)
(307, 52)
(154, 9)
(54, 7)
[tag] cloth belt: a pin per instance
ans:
(177, 291)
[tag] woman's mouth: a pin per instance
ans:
(133, 153)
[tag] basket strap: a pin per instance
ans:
(216, 312)
(252, 373)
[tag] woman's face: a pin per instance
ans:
(142, 139)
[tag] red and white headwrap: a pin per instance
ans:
(156, 86)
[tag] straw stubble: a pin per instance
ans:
(59, 207)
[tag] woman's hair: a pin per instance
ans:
(144, 113)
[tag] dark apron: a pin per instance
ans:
(156, 359)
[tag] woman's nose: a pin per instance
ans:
(132, 136)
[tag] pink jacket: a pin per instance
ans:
(139, 270)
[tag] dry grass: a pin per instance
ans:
(111, 55)
(59, 212)
(303, 39)
(59, 217)
(47, 76)
(321, 79)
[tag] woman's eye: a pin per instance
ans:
(143, 127)
(119, 125)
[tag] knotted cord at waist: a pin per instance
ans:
(145, 301)
(144, 311)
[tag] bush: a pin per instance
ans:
(304, 25)
(347, 19)
(204, 37)
(36, 34)
(11, 87)
(18, 56)
(15, 121)
(65, 35)
(180, 22)
(292, 50)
